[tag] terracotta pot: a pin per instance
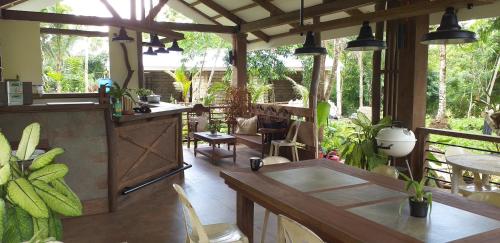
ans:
(418, 209)
(128, 105)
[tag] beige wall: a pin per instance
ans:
(20, 50)
(117, 62)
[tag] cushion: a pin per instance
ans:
(247, 126)
(202, 122)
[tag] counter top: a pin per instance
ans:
(53, 107)
(157, 110)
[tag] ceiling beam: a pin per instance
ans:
(10, 3)
(156, 9)
(200, 12)
(198, 27)
(90, 20)
(309, 12)
(85, 33)
(245, 7)
(272, 9)
(237, 20)
(405, 11)
(111, 9)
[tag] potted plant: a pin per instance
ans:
(213, 127)
(34, 194)
(420, 201)
(143, 94)
(122, 100)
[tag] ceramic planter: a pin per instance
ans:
(213, 132)
(418, 209)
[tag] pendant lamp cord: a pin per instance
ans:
(301, 15)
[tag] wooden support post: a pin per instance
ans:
(405, 82)
(377, 72)
(313, 94)
(140, 63)
(240, 75)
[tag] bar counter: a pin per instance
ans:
(105, 155)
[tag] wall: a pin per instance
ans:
(20, 50)
(117, 66)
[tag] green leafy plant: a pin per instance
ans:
(360, 147)
(418, 194)
(258, 90)
(301, 90)
(182, 82)
(142, 92)
(117, 92)
(33, 192)
(214, 126)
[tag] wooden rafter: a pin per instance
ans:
(111, 9)
(272, 9)
(91, 20)
(190, 6)
(405, 11)
(237, 20)
(234, 11)
(156, 9)
(10, 3)
(309, 12)
(85, 33)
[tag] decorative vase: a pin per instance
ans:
(418, 209)
(128, 106)
(117, 108)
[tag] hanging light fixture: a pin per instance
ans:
(150, 52)
(365, 41)
(122, 36)
(162, 50)
(154, 41)
(449, 31)
(175, 47)
(309, 47)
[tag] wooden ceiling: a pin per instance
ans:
(263, 20)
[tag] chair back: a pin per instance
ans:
(194, 228)
(293, 131)
(386, 170)
(492, 198)
(289, 231)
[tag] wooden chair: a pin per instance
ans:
(386, 170)
(290, 231)
(289, 141)
(194, 117)
(198, 233)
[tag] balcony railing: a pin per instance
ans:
(427, 144)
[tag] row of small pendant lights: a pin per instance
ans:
(449, 32)
(154, 42)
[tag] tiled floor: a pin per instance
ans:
(154, 215)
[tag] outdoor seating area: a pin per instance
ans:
(199, 121)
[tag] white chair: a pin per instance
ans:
(492, 198)
(386, 170)
(289, 231)
(213, 233)
(270, 160)
(289, 141)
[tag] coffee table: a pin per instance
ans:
(213, 152)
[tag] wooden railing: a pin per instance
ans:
(422, 149)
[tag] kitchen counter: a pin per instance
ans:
(55, 106)
(157, 110)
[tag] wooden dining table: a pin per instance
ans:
(341, 203)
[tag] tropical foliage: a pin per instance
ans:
(34, 194)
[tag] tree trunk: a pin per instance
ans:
(212, 71)
(339, 89)
(86, 67)
(323, 82)
(493, 79)
(361, 70)
(441, 114)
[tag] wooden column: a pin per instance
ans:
(140, 63)
(313, 94)
(377, 72)
(405, 82)
(240, 75)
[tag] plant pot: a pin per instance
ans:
(418, 209)
(117, 108)
(143, 98)
(213, 132)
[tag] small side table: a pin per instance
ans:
(485, 164)
(213, 152)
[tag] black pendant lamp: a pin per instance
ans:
(309, 48)
(161, 50)
(150, 52)
(155, 41)
(122, 36)
(449, 31)
(175, 47)
(365, 41)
